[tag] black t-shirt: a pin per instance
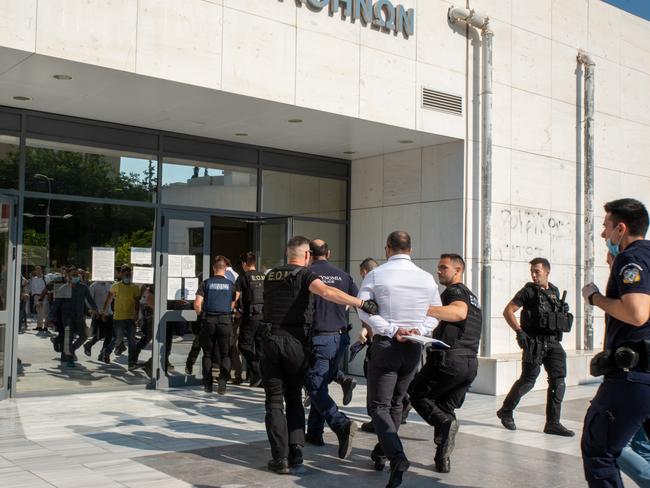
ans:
(630, 274)
(218, 293)
(287, 297)
(465, 334)
(328, 316)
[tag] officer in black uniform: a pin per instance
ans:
(214, 303)
(622, 404)
(440, 387)
(250, 285)
(289, 311)
(544, 318)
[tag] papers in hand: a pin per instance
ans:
(427, 341)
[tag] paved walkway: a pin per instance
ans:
(184, 438)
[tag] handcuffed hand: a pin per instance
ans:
(370, 307)
(588, 290)
(522, 339)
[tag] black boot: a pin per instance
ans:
(295, 455)
(279, 466)
(377, 456)
(348, 385)
(506, 419)
(398, 467)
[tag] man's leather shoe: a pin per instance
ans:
(378, 458)
(368, 427)
(348, 385)
(556, 428)
(295, 455)
(507, 420)
(397, 469)
(345, 439)
(279, 466)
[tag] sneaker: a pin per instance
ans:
(188, 369)
(221, 386)
(279, 466)
(295, 455)
(506, 419)
(368, 427)
(556, 428)
(348, 385)
(87, 349)
(397, 469)
(345, 439)
(314, 440)
(378, 458)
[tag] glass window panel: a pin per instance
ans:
(333, 234)
(200, 184)
(9, 159)
(78, 170)
(308, 196)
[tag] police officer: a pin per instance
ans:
(250, 285)
(440, 387)
(288, 308)
(214, 303)
(543, 320)
(329, 343)
(622, 404)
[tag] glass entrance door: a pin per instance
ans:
(273, 235)
(184, 262)
(7, 291)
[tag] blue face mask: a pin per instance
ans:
(126, 280)
(614, 249)
(76, 280)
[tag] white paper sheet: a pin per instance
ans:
(428, 341)
(103, 264)
(142, 275)
(174, 288)
(174, 267)
(191, 286)
(188, 264)
(141, 255)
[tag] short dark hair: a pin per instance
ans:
(319, 251)
(220, 261)
(454, 258)
(248, 258)
(399, 240)
(631, 212)
(543, 261)
(297, 241)
(368, 264)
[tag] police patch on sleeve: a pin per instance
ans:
(631, 274)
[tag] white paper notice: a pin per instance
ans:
(435, 343)
(103, 264)
(191, 287)
(174, 267)
(189, 266)
(142, 275)
(174, 288)
(141, 255)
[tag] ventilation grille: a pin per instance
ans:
(443, 102)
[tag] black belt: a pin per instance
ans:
(217, 314)
(328, 332)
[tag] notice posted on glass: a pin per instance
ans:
(103, 264)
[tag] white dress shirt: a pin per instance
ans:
(404, 294)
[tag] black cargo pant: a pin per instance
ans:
(391, 368)
(195, 327)
(249, 344)
(215, 338)
(440, 386)
(284, 363)
(547, 351)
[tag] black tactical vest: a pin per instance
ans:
(252, 296)
(287, 304)
(547, 313)
(465, 334)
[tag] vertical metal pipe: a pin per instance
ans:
(486, 192)
(583, 58)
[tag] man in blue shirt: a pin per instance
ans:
(329, 342)
(214, 303)
(622, 404)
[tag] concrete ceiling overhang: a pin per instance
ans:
(126, 98)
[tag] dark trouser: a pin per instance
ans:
(326, 355)
(120, 329)
(553, 357)
(196, 345)
(391, 368)
(249, 345)
(619, 409)
(283, 369)
(440, 386)
(147, 335)
(216, 338)
(235, 358)
(101, 330)
(74, 335)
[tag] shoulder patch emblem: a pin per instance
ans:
(631, 274)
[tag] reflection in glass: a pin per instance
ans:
(273, 241)
(308, 196)
(5, 214)
(77, 170)
(209, 185)
(9, 159)
(333, 234)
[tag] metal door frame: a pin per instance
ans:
(10, 316)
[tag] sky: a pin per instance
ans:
(636, 7)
